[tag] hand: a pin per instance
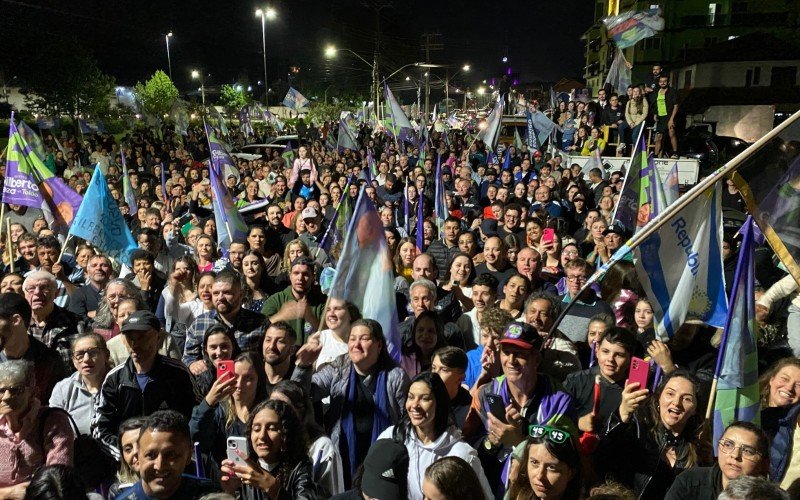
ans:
(251, 474)
(503, 434)
(291, 310)
(588, 423)
(145, 277)
(762, 313)
(16, 492)
(221, 389)
(308, 354)
(198, 367)
(661, 355)
(489, 360)
(671, 124)
(632, 399)
(58, 270)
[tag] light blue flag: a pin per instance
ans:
(230, 224)
(680, 267)
(619, 74)
(491, 132)
(672, 186)
(100, 222)
(127, 188)
(737, 395)
(543, 126)
(294, 99)
(346, 138)
(364, 272)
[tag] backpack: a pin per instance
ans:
(91, 461)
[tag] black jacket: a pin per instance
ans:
(298, 486)
(699, 483)
(120, 397)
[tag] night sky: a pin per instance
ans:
(540, 38)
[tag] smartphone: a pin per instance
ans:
(224, 367)
(237, 443)
(639, 372)
(548, 235)
(496, 406)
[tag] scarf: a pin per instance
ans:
(380, 419)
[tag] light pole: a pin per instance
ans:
(169, 61)
(465, 69)
(264, 14)
(197, 75)
(330, 52)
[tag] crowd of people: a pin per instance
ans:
(201, 372)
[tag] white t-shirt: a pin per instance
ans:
(332, 347)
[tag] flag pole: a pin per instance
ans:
(681, 203)
(10, 246)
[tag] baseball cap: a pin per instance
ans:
(616, 229)
(489, 227)
(309, 213)
(521, 335)
(141, 321)
(385, 470)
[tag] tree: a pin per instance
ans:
(232, 98)
(62, 77)
(157, 95)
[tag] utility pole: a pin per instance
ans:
(430, 42)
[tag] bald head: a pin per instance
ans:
(529, 261)
(424, 267)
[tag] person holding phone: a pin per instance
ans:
(653, 439)
(529, 398)
(218, 345)
(276, 465)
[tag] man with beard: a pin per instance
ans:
(245, 326)
(281, 354)
(275, 219)
(301, 304)
(559, 356)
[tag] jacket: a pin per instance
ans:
(632, 117)
(120, 397)
(441, 255)
(420, 456)
(698, 483)
(780, 424)
(298, 486)
(331, 381)
(208, 429)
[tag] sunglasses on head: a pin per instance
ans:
(557, 436)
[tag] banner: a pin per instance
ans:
(230, 225)
(91, 127)
(680, 267)
(19, 186)
(294, 99)
(346, 138)
(491, 132)
(47, 122)
(100, 222)
(629, 27)
(399, 127)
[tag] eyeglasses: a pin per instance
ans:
(13, 391)
(557, 436)
(39, 288)
(573, 279)
(93, 354)
(729, 447)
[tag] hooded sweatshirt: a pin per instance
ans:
(420, 456)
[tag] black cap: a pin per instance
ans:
(141, 321)
(521, 335)
(385, 470)
(616, 229)
(491, 171)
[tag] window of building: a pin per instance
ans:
(652, 43)
(748, 78)
(712, 13)
(757, 75)
(710, 40)
(687, 79)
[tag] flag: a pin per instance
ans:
(214, 112)
(346, 138)
(338, 225)
(127, 189)
(181, 117)
(330, 138)
(517, 139)
(654, 195)
(91, 127)
(737, 395)
(47, 122)
(244, 121)
(769, 182)
(619, 74)
(164, 192)
(680, 267)
(294, 99)
(364, 272)
(628, 209)
(100, 222)
(440, 211)
(58, 202)
(288, 155)
(507, 159)
(672, 185)
(491, 132)
(60, 146)
(541, 125)
(629, 27)
(400, 129)
(420, 223)
(230, 225)
(594, 161)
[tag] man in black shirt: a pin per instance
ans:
(84, 300)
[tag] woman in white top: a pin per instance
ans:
(786, 287)
(338, 317)
(175, 307)
(428, 433)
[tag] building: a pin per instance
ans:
(690, 27)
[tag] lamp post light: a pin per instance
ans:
(264, 14)
(330, 52)
(465, 68)
(197, 75)
(169, 61)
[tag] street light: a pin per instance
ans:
(169, 61)
(196, 75)
(465, 68)
(264, 14)
(330, 52)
